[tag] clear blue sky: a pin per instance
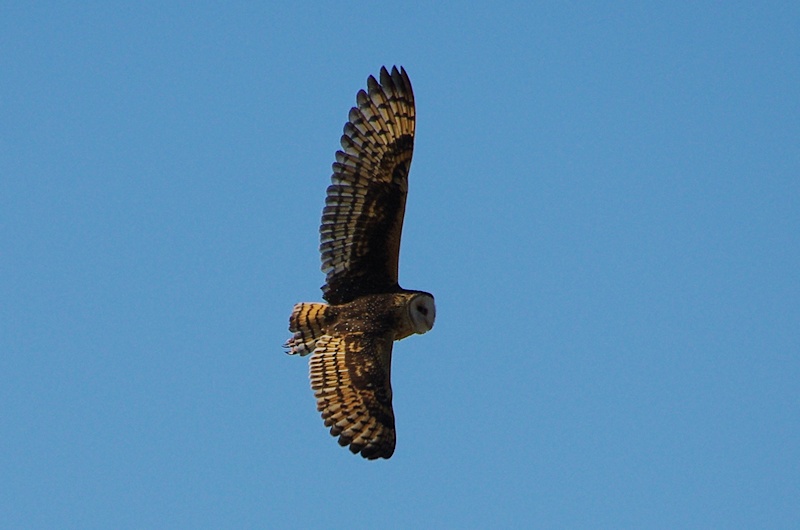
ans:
(605, 201)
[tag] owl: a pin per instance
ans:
(350, 338)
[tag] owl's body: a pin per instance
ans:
(386, 313)
(351, 337)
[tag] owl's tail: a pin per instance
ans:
(308, 323)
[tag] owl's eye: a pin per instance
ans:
(422, 309)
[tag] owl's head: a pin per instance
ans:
(422, 312)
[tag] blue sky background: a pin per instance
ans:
(605, 201)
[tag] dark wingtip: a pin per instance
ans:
(370, 451)
(373, 452)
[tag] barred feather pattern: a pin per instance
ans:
(350, 376)
(363, 216)
(307, 322)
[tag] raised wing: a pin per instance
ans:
(363, 216)
(350, 376)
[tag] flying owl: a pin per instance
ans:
(350, 338)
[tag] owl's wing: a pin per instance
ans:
(350, 376)
(363, 216)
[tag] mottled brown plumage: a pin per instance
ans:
(351, 339)
(363, 216)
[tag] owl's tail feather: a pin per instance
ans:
(307, 322)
